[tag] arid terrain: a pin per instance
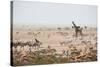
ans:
(53, 45)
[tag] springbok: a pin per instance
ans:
(37, 43)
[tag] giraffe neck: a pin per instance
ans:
(74, 24)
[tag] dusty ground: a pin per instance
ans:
(62, 40)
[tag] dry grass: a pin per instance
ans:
(58, 46)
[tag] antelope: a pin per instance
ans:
(37, 43)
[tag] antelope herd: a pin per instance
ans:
(54, 46)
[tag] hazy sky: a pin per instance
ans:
(52, 14)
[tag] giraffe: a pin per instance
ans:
(78, 29)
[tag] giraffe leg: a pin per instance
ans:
(76, 32)
(81, 34)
